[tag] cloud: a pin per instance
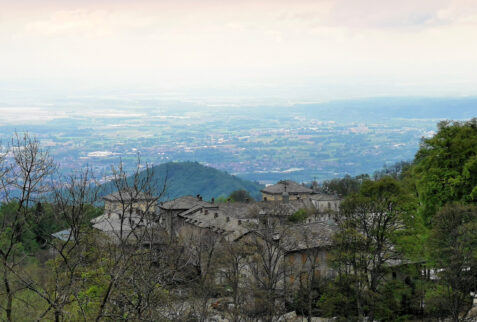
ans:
(279, 44)
(86, 23)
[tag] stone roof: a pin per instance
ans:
(240, 210)
(128, 195)
(291, 187)
(243, 210)
(63, 235)
(219, 223)
(325, 197)
(306, 236)
(185, 203)
(111, 222)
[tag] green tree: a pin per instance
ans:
(446, 167)
(453, 250)
(240, 196)
(370, 223)
(346, 185)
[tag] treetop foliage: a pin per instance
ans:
(445, 167)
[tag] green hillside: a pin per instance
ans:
(192, 178)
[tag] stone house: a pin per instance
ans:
(128, 201)
(326, 202)
(169, 211)
(285, 189)
(307, 251)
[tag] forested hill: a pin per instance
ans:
(192, 178)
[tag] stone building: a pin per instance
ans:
(307, 251)
(285, 189)
(169, 211)
(215, 223)
(326, 202)
(128, 201)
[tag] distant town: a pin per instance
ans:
(266, 144)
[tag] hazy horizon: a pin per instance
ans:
(238, 51)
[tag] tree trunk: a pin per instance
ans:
(57, 316)
(8, 290)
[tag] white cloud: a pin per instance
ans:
(278, 46)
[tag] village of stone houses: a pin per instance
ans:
(225, 239)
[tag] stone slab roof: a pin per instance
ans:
(325, 197)
(307, 236)
(128, 195)
(219, 223)
(291, 187)
(241, 210)
(112, 222)
(63, 235)
(185, 203)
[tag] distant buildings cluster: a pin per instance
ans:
(192, 218)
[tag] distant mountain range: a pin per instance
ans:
(379, 108)
(193, 178)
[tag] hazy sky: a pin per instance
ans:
(296, 49)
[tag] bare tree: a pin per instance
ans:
(268, 267)
(232, 259)
(24, 180)
(72, 205)
(203, 248)
(131, 236)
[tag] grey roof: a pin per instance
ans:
(307, 236)
(241, 210)
(325, 197)
(291, 187)
(218, 222)
(128, 195)
(111, 222)
(63, 235)
(184, 203)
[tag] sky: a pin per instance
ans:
(296, 50)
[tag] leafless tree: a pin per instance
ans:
(268, 267)
(131, 238)
(23, 181)
(203, 249)
(232, 260)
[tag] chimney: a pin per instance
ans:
(285, 197)
(198, 197)
(206, 212)
(216, 215)
(212, 200)
(239, 222)
(228, 219)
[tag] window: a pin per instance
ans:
(303, 277)
(292, 259)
